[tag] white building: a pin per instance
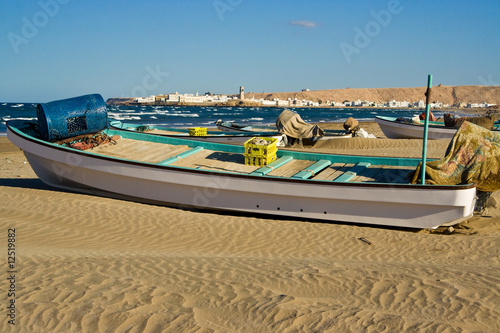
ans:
(419, 104)
(268, 103)
(173, 97)
(216, 98)
(150, 99)
(393, 104)
(190, 98)
(473, 105)
(437, 105)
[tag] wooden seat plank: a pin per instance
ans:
(351, 173)
(312, 170)
(291, 168)
(180, 155)
(272, 166)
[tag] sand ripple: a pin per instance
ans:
(90, 264)
(108, 265)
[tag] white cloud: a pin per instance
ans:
(304, 24)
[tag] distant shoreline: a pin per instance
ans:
(494, 110)
(453, 98)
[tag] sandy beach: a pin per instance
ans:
(91, 264)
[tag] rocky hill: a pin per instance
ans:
(452, 95)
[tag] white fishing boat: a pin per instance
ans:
(231, 126)
(172, 171)
(236, 137)
(397, 129)
(394, 129)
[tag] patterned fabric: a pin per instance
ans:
(473, 156)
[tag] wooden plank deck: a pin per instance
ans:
(291, 168)
(333, 171)
(384, 174)
(395, 174)
(217, 161)
(153, 152)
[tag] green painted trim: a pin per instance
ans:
(271, 166)
(312, 169)
(181, 155)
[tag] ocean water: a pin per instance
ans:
(186, 116)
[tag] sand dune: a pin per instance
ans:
(92, 264)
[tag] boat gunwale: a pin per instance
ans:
(18, 132)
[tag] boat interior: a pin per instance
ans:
(287, 166)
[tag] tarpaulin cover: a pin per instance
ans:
(291, 124)
(473, 156)
(72, 117)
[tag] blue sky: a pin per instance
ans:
(53, 49)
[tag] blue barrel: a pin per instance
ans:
(70, 117)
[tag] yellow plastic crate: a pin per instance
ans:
(259, 160)
(260, 154)
(197, 131)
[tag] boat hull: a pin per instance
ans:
(396, 130)
(411, 206)
(232, 127)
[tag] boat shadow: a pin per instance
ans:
(282, 219)
(33, 183)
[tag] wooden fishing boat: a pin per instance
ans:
(394, 129)
(231, 126)
(237, 137)
(310, 186)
